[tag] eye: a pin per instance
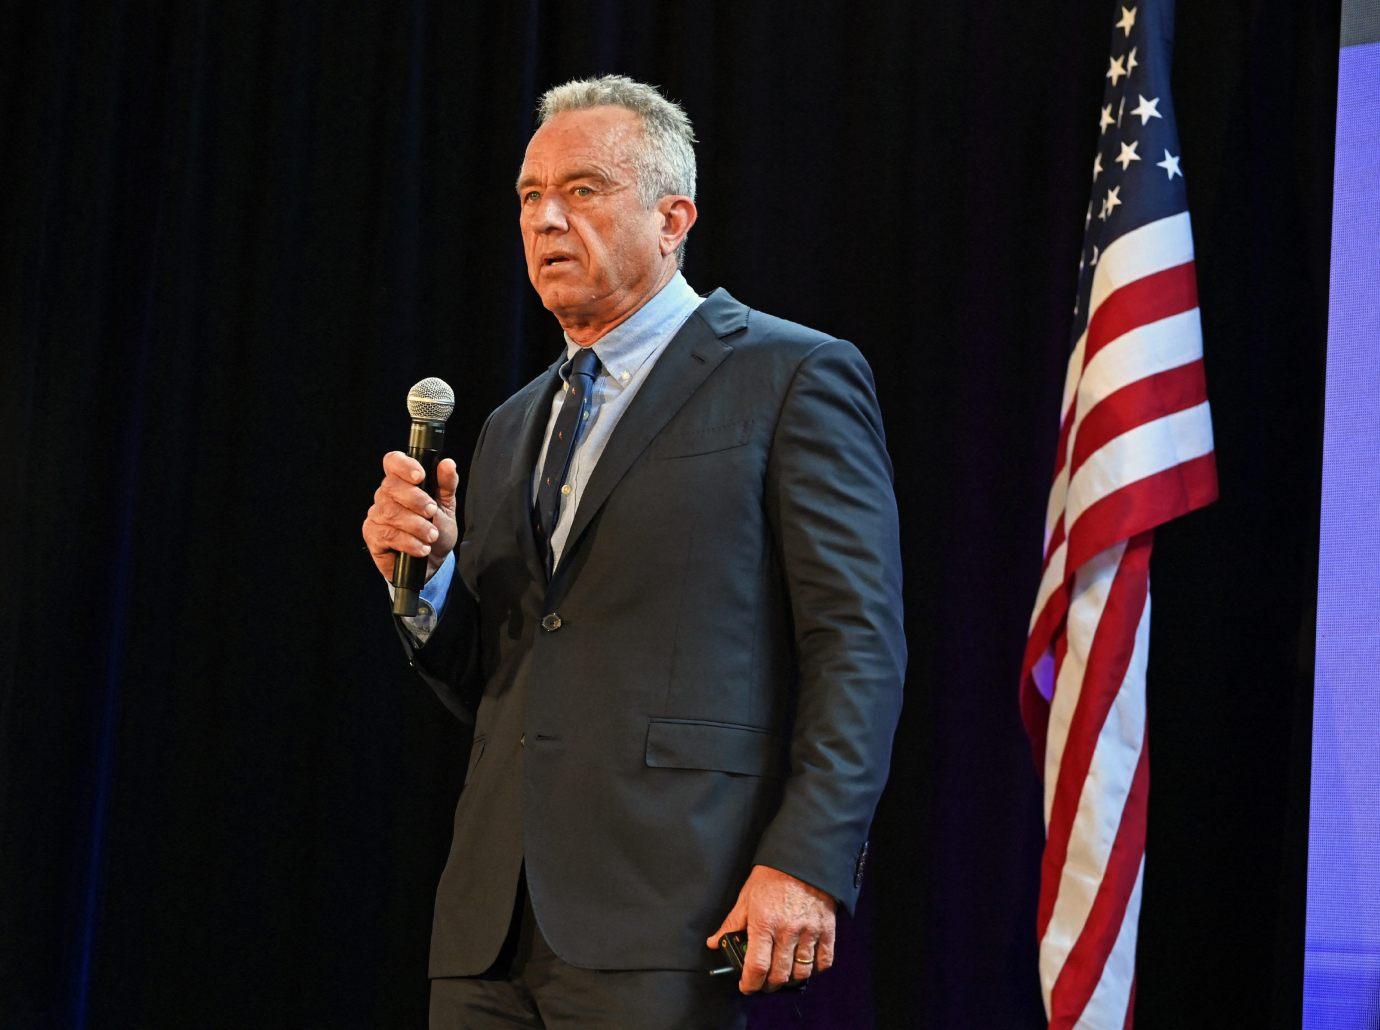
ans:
(583, 191)
(530, 196)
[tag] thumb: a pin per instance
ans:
(447, 482)
(735, 920)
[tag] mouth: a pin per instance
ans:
(554, 259)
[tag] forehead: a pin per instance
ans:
(601, 136)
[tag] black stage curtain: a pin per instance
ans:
(234, 234)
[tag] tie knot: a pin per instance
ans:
(585, 363)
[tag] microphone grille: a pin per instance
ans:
(431, 400)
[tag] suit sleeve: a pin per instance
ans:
(449, 661)
(832, 509)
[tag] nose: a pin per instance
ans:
(548, 215)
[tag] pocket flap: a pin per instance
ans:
(703, 441)
(717, 746)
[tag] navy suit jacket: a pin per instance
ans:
(712, 677)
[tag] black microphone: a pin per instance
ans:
(429, 403)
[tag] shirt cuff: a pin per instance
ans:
(431, 601)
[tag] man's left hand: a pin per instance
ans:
(790, 928)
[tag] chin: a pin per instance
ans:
(555, 298)
(565, 296)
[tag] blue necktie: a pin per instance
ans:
(553, 485)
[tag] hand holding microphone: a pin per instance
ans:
(411, 527)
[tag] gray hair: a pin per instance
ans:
(665, 161)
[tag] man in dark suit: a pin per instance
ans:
(673, 617)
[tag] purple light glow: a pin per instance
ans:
(1342, 952)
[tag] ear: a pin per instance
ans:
(677, 214)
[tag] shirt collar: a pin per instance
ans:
(624, 349)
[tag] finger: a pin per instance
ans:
(757, 963)
(414, 498)
(824, 950)
(735, 920)
(373, 539)
(409, 470)
(386, 510)
(390, 538)
(382, 560)
(805, 958)
(388, 513)
(447, 482)
(782, 961)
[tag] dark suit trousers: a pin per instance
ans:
(529, 985)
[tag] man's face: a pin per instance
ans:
(592, 248)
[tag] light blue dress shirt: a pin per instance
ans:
(627, 354)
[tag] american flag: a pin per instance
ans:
(1135, 450)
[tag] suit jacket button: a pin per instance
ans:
(551, 622)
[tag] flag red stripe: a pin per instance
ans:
(1083, 967)
(1155, 396)
(1141, 505)
(1061, 650)
(1108, 658)
(1145, 300)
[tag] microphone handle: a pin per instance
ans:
(409, 571)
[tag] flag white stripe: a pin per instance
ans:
(1143, 451)
(1059, 490)
(1151, 348)
(1058, 495)
(1054, 575)
(1106, 1009)
(1101, 803)
(1071, 374)
(1152, 248)
(1090, 588)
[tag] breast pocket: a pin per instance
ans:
(686, 443)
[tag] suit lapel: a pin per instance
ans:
(689, 359)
